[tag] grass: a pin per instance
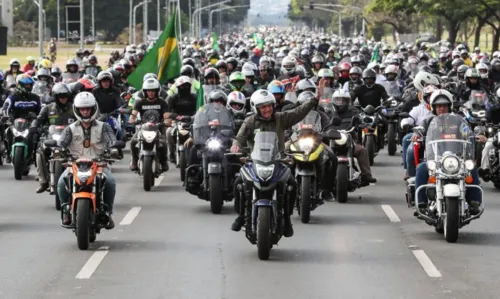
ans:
(63, 54)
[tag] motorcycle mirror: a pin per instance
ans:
(418, 129)
(50, 143)
(331, 134)
(336, 121)
(369, 109)
(404, 114)
(118, 144)
(226, 133)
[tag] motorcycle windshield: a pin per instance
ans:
(92, 71)
(477, 100)
(291, 97)
(265, 148)
(55, 132)
(224, 80)
(207, 89)
(326, 100)
(21, 124)
(393, 89)
(312, 121)
(449, 134)
(40, 88)
(210, 121)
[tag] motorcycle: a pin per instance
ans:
(391, 113)
(91, 71)
(449, 153)
(212, 132)
(21, 156)
(308, 165)
(474, 111)
(369, 134)
(43, 91)
(181, 133)
(86, 181)
(149, 163)
(55, 161)
(267, 193)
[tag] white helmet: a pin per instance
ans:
(260, 98)
(151, 84)
(182, 80)
(104, 75)
(441, 96)
(85, 99)
(482, 68)
(424, 78)
(14, 61)
(238, 98)
(288, 65)
(498, 93)
(391, 69)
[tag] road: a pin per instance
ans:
(169, 245)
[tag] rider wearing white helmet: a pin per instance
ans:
(87, 137)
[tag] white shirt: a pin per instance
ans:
(419, 114)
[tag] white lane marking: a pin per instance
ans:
(92, 264)
(129, 218)
(390, 213)
(426, 263)
(159, 180)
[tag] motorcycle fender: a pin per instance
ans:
(451, 190)
(342, 160)
(263, 203)
(83, 196)
(17, 144)
(214, 167)
(301, 171)
(147, 153)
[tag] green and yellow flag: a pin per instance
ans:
(215, 42)
(200, 101)
(164, 59)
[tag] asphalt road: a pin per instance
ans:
(169, 245)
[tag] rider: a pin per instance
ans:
(441, 102)
(52, 47)
(58, 113)
(87, 137)
(183, 103)
(266, 118)
(349, 115)
(108, 99)
(152, 109)
(492, 116)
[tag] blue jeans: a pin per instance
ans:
(472, 194)
(109, 189)
(406, 143)
(116, 127)
(411, 168)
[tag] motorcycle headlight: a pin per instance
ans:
(431, 165)
(149, 136)
(451, 165)
(469, 165)
(394, 103)
(20, 133)
(213, 144)
(264, 172)
(306, 145)
(84, 176)
(342, 140)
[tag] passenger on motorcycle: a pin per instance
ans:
(152, 109)
(109, 100)
(344, 110)
(59, 113)
(181, 103)
(87, 137)
(236, 102)
(441, 102)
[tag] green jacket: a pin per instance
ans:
(278, 123)
(195, 87)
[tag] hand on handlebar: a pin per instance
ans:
(235, 149)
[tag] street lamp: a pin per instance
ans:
(331, 10)
(205, 7)
(363, 25)
(41, 25)
(221, 9)
(134, 17)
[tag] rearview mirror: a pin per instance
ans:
(331, 134)
(50, 143)
(226, 133)
(404, 114)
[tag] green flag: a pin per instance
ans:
(375, 54)
(200, 101)
(215, 42)
(164, 59)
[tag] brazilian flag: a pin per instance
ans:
(164, 59)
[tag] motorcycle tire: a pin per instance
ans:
(82, 227)
(391, 140)
(305, 199)
(264, 233)
(342, 183)
(58, 170)
(18, 162)
(452, 220)
(147, 173)
(215, 194)
(182, 165)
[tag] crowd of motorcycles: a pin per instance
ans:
(296, 63)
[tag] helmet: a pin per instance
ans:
(276, 87)
(23, 80)
(61, 90)
(93, 58)
(236, 98)
(45, 63)
(441, 96)
(426, 93)
(247, 72)
(56, 71)
(183, 80)
(151, 84)
(424, 78)
(325, 73)
(149, 76)
(305, 97)
(221, 64)
(260, 98)
(341, 99)
(211, 72)
(356, 70)
(369, 74)
(498, 93)
(218, 95)
(187, 70)
(30, 59)
(188, 61)
(317, 59)
(104, 75)
(304, 85)
(43, 72)
(472, 73)
(483, 70)
(85, 99)
(237, 76)
(288, 64)
(14, 62)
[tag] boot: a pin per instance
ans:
(66, 219)
(111, 223)
(42, 187)
(133, 164)
(164, 166)
(288, 231)
(238, 223)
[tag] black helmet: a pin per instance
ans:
(187, 70)
(369, 77)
